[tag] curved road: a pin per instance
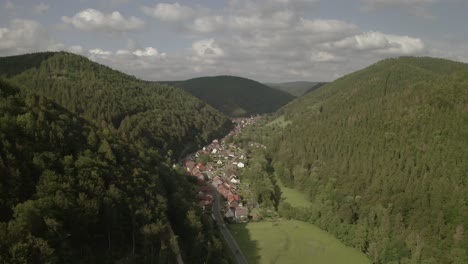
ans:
(236, 251)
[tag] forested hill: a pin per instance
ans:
(297, 89)
(69, 193)
(235, 96)
(145, 113)
(382, 153)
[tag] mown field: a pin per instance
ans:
(291, 242)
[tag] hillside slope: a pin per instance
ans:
(235, 96)
(382, 154)
(146, 113)
(296, 89)
(71, 194)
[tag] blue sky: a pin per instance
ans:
(267, 40)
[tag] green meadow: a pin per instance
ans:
(292, 242)
(292, 196)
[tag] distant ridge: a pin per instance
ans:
(235, 96)
(298, 88)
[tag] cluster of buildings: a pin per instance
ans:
(216, 167)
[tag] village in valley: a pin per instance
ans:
(217, 167)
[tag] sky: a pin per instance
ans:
(265, 40)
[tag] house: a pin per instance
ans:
(240, 165)
(241, 214)
(201, 167)
(224, 191)
(232, 198)
(216, 182)
(204, 189)
(196, 172)
(229, 213)
(233, 180)
(189, 165)
(233, 187)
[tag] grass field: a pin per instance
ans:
(292, 196)
(292, 242)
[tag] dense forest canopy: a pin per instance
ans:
(235, 96)
(382, 154)
(145, 113)
(81, 184)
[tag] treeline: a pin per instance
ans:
(144, 113)
(382, 154)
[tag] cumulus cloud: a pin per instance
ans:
(146, 52)
(380, 43)
(23, 36)
(76, 49)
(323, 56)
(206, 51)
(92, 19)
(169, 12)
(100, 52)
(41, 8)
(264, 40)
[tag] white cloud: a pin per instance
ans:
(380, 43)
(100, 52)
(207, 48)
(169, 12)
(323, 56)
(76, 49)
(92, 19)
(149, 51)
(265, 40)
(23, 36)
(41, 8)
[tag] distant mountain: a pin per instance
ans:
(147, 113)
(235, 96)
(297, 89)
(382, 154)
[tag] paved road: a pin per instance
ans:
(236, 251)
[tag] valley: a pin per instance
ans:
(370, 168)
(221, 192)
